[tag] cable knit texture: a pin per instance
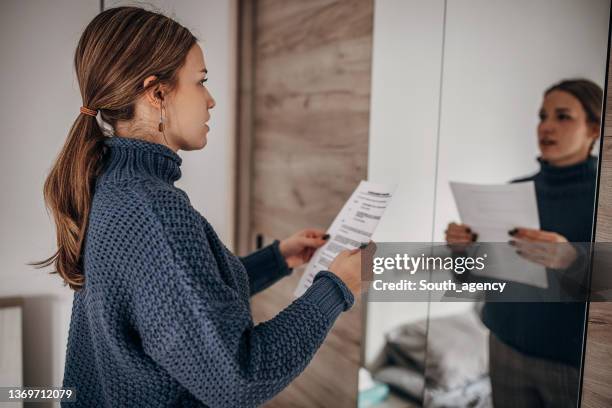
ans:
(164, 318)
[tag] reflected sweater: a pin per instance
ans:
(552, 330)
(164, 317)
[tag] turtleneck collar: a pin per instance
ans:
(131, 158)
(583, 171)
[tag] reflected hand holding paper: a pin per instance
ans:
(459, 237)
(546, 248)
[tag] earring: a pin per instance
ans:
(161, 118)
(161, 126)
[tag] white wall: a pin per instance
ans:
(37, 43)
(406, 67)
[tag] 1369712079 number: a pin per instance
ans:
(34, 394)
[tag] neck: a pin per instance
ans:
(569, 160)
(126, 130)
(584, 170)
(128, 158)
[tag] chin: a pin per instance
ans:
(197, 144)
(203, 142)
(548, 155)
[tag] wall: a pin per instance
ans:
(37, 44)
(407, 53)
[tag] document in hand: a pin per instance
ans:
(493, 210)
(353, 226)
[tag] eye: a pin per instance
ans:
(563, 116)
(203, 80)
(542, 116)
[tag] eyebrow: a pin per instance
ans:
(557, 110)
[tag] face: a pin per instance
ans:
(187, 107)
(564, 135)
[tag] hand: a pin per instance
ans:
(546, 248)
(459, 236)
(299, 247)
(347, 266)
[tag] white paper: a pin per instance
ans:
(353, 225)
(493, 210)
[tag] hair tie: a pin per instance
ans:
(91, 112)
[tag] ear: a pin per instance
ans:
(594, 131)
(155, 94)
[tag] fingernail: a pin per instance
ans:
(513, 231)
(326, 236)
(363, 245)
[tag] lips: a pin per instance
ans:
(547, 142)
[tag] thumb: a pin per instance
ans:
(354, 251)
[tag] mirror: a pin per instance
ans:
(486, 93)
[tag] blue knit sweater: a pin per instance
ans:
(164, 318)
(551, 330)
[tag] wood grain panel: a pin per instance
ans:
(597, 381)
(597, 375)
(311, 111)
(309, 115)
(603, 230)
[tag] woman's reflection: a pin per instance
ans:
(536, 348)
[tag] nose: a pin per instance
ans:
(546, 127)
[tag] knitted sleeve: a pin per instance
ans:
(265, 267)
(198, 328)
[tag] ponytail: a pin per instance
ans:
(68, 193)
(111, 79)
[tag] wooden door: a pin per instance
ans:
(302, 149)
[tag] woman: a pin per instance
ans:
(536, 348)
(161, 313)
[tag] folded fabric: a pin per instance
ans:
(473, 395)
(407, 381)
(457, 351)
(450, 352)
